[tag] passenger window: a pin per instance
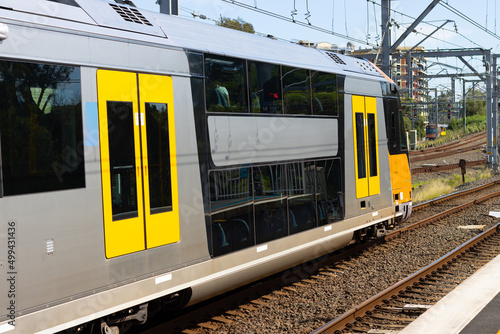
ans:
(40, 128)
(301, 201)
(270, 202)
(122, 160)
(329, 195)
(232, 210)
(226, 84)
(265, 87)
(372, 144)
(324, 93)
(296, 91)
(160, 185)
(360, 144)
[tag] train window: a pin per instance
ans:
(195, 61)
(232, 210)
(395, 126)
(372, 144)
(301, 199)
(41, 128)
(360, 144)
(270, 202)
(329, 196)
(296, 91)
(265, 87)
(324, 93)
(160, 187)
(122, 159)
(226, 84)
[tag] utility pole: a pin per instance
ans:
(386, 37)
(452, 92)
(464, 113)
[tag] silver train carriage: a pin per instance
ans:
(151, 161)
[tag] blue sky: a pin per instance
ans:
(360, 20)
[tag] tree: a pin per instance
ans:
(237, 24)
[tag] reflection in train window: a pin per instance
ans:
(329, 194)
(253, 205)
(226, 84)
(324, 93)
(301, 199)
(41, 128)
(160, 186)
(270, 202)
(360, 144)
(122, 159)
(265, 87)
(296, 91)
(372, 145)
(395, 128)
(232, 210)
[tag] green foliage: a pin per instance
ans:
(236, 24)
(475, 107)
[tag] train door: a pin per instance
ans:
(364, 110)
(138, 161)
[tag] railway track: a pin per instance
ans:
(441, 168)
(481, 136)
(463, 146)
(400, 304)
(300, 288)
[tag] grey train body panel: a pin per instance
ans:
(63, 276)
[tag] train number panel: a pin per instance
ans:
(138, 161)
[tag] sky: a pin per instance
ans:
(359, 21)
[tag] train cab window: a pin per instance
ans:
(324, 93)
(301, 200)
(270, 195)
(395, 128)
(296, 91)
(226, 84)
(40, 128)
(329, 195)
(231, 210)
(265, 87)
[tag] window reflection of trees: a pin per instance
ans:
(273, 200)
(296, 91)
(41, 127)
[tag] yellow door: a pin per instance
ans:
(364, 112)
(138, 161)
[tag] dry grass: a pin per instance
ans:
(440, 187)
(432, 190)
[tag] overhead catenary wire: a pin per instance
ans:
(433, 25)
(304, 24)
(468, 19)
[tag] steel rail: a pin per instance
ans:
(347, 319)
(440, 168)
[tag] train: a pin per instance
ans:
(150, 162)
(434, 132)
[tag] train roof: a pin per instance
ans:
(112, 20)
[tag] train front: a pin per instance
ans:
(398, 155)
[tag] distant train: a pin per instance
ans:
(433, 132)
(149, 162)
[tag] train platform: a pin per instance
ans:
(471, 308)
